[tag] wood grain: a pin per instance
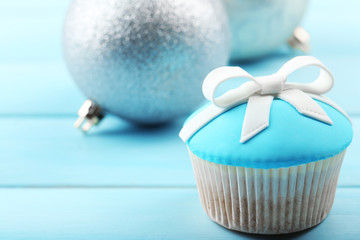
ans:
(50, 152)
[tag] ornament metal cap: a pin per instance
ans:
(300, 40)
(89, 114)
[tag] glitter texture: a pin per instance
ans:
(145, 60)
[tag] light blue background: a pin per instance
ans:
(121, 182)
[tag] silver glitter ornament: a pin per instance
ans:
(145, 60)
(260, 26)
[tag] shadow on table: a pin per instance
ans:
(243, 235)
(295, 235)
(272, 237)
(115, 127)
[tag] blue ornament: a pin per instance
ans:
(258, 27)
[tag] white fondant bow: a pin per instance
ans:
(259, 93)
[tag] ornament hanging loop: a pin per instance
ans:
(90, 114)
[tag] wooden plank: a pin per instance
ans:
(47, 88)
(38, 89)
(141, 214)
(50, 152)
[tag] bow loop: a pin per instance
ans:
(321, 85)
(234, 96)
(259, 92)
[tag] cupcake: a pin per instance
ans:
(267, 154)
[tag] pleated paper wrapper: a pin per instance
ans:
(267, 201)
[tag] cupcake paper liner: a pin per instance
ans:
(267, 201)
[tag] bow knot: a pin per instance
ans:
(272, 84)
(259, 93)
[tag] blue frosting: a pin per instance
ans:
(291, 138)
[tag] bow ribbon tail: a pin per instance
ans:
(305, 105)
(256, 116)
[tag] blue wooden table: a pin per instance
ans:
(119, 181)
